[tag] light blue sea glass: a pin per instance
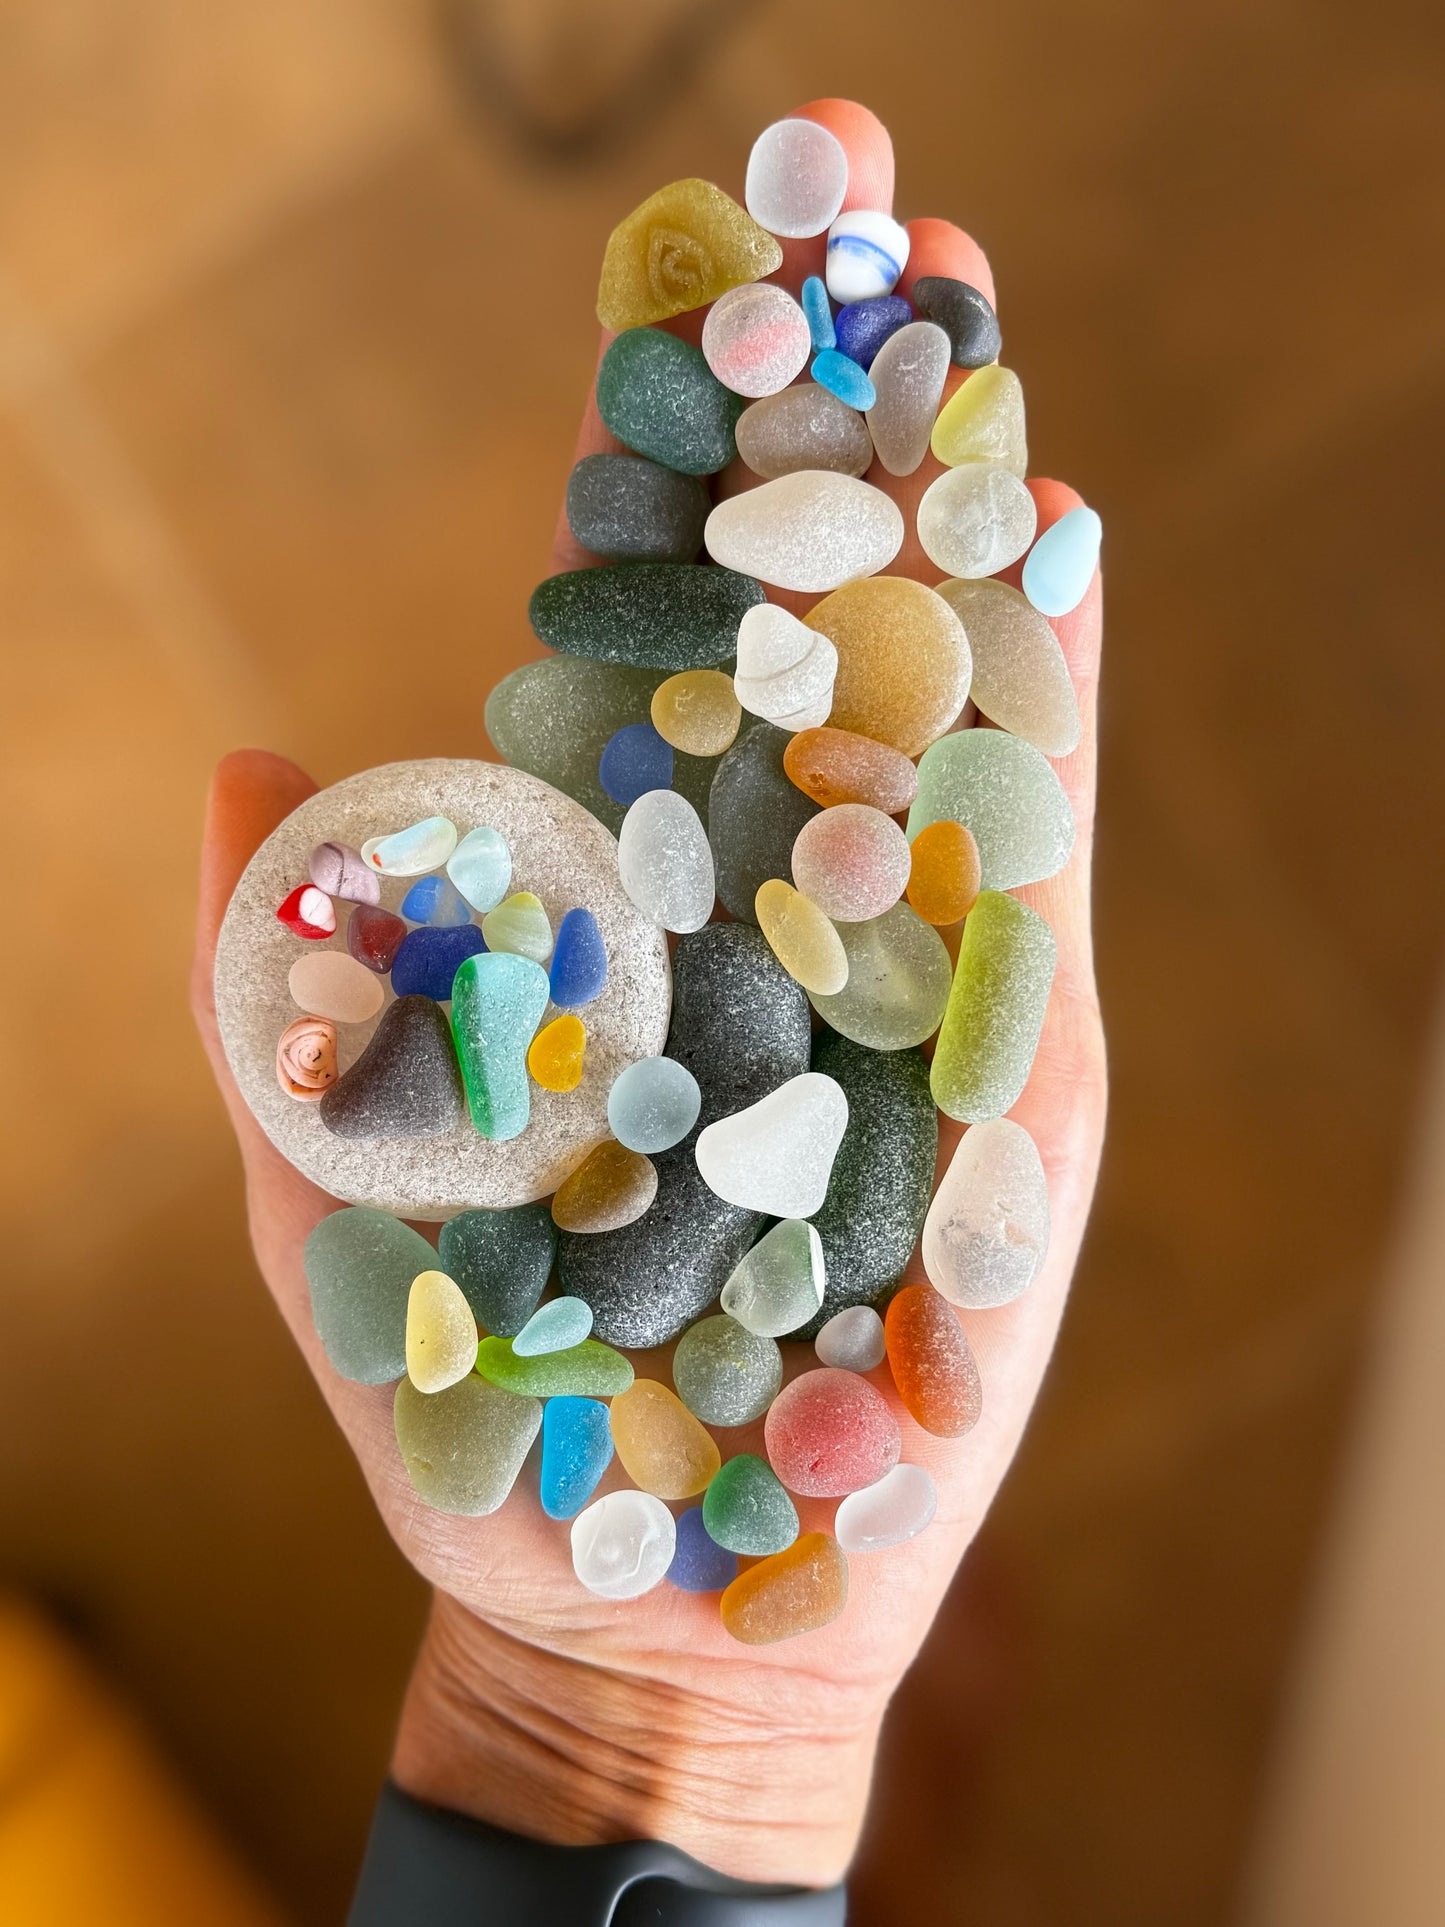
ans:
(1060, 566)
(481, 867)
(553, 1327)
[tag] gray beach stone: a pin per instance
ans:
(627, 509)
(406, 1082)
(502, 1261)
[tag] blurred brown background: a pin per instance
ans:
(295, 321)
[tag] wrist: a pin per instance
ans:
(547, 1745)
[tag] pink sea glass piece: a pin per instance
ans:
(756, 339)
(829, 1433)
(852, 861)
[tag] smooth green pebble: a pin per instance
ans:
(588, 1370)
(658, 395)
(360, 1264)
(464, 1447)
(497, 1002)
(745, 1508)
(898, 976)
(1007, 794)
(995, 1010)
(725, 1374)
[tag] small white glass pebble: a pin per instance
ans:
(796, 179)
(908, 374)
(777, 1155)
(976, 519)
(867, 252)
(622, 1545)
(665, 861)
(852, 1340)
(896, 1509)
(785, 670)
(812, 530)
(987, 1229)
(779, 1284)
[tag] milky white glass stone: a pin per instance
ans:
(797, 177)
(908, 374)
(1061, 563)
(896, 1509)
(852, 1340)
(779, 1284)
(665, 861)
(317, 909)
(412, 852)
(976, 519)
(987, 1229)
(785, 670)
(867, 251)
(812, 530)
(756, 339)
(1020, 678)
(622, 1545)
(777, 1155)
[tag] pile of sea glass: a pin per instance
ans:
(770, 1175)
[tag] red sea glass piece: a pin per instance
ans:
(829, 1433)
(374, 936)
(308, 912)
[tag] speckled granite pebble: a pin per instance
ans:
(654, 615)
(754, 815)
(627, 509)
(405, 1083)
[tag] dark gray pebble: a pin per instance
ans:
(965, 315)
(656, 615)
(628, 509)
(754, 814)
(406, 1082)
(502, 1261)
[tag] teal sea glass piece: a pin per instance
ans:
(658, 396)
(360, 1264)
(497, 1003)
(842, 377)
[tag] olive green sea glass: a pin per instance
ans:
(995, 1010)
(1004, 791)
(658, 395)
(360, 1264)
(655, 615)
(588, 1370)
(464, 1447)
(555, 717)
(745, 1508)
(898, 977)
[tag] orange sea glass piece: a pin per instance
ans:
(932, 1365)
(946, 876)
(663, 1448)
(835, 766)
(555, 1054)
(793, 1592)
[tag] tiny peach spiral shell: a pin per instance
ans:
(306, 1058)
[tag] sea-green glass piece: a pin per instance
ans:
(898, 977)
(995, 1010)
(588, 1370)
(464, 1447)
(725, 1374)
(497, 1002)
(360, 1264)
(658, 395)
(555, 717)
(745, 1508)
(1005, 792)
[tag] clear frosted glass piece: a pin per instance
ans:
(1006, 793)
(852, 1340)
(622, 1545)
(976, 520)
(797, 176)
(756, 339)
(806, 426)
(779, 1284)
(908, 374)
(785, 670)
(896, 1509)
(777, 1155)
(899, 972)
(1020, 678)
(665, 861)
(813, 530)
(987, 1230)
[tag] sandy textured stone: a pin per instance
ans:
(564, 856)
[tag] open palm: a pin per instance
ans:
(554, 1712)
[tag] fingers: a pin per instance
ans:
(938, 247)
(251, 792)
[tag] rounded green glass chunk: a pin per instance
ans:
(1006, 793)
(898, 977)
(745, 1508)
(588, 1370)
(360, 1264)
(995, 1012)
(464, 1447)
(724, 1374)
(658, 395)
(654, 615)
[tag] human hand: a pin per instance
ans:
(541, 1707)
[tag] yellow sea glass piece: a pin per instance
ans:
(984, 422)
(663, 1448)
(687, 244)
(611, 1187)
(803, 939)
(697, 712)
(904, 664)
(441, 1333)
(794, 1592)
(555, 1055)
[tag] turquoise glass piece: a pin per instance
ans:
(554, 1327)
(576, 1451)
(819, 310)
(844, 378)
(481, 867)
(1060, 566)
(497, 1003)
(436, 901)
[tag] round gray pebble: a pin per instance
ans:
(754, 815)
(965, 315)
(627, 509)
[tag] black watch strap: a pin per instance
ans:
(428, 1867)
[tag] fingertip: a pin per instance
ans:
(252, 791)
(940, 247)
(868, 145)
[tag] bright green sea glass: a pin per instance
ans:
(995, 1010)
(588, 1370)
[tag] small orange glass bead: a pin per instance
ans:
(932, 1365)
(555, 1055)
(793, 1592)
(946, 876)
(836, 766)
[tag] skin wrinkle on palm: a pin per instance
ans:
(542, 1708)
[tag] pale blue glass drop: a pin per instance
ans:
(554, 1327)
(481, 867)
(1060, 566)
(653, 1104)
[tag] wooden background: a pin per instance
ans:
(294, 325)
